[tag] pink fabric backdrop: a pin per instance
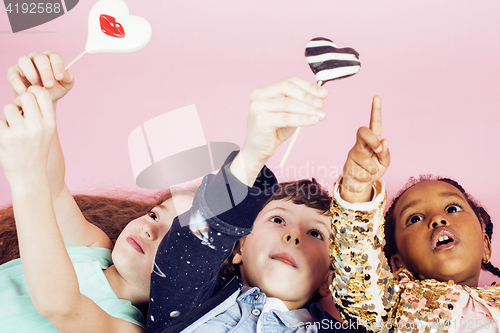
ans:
(435, 65)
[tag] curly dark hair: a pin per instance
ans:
(390, 248)
(301, 192)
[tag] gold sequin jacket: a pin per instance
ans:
(370, 297)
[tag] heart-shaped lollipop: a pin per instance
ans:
(112, 29)
(329, 62)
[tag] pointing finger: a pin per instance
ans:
(376, 117)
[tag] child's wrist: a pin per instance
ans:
(23, 183)
(253, 159)
(30, 171)
(356, 191)
(246, 168)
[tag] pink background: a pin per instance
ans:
(435, 65)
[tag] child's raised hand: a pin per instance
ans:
(367, 160)
(276, 110)
(25, 139)
(40, 69)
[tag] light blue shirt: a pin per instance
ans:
(18, 313)
(241, 313)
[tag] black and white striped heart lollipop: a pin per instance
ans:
(329, 62)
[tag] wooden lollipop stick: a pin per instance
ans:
(292, 141)
(76, 59)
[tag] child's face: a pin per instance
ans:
(135, 248)
(286, 255)
(438, 235)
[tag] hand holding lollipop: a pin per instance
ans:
(328, 62)
(111, 29)
(44, 69)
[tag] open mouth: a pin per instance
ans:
(444, 238)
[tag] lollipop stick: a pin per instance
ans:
(76, 59)
(294, 137)
(289, 148)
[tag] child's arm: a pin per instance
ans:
(47, 70)
(367, 160)
(363, 287)
(49, 274)
(226, 205)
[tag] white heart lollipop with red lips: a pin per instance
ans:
(112, 29)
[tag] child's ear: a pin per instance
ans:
(324, 289)
(237, 252)
(398, 262)
(487, 248)
(236, 259)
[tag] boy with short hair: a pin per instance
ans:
(278, 269)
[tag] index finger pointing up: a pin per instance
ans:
(376, 117)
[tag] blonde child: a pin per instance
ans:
(438, 238)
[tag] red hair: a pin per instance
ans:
(111, 214)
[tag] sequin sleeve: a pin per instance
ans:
(364, 288)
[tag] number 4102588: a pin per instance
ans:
(34, 8)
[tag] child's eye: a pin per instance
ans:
(277, 219)
(316, 233)
(154, 216)
(453, 208)
(414, 219)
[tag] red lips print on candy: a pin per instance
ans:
(110, 27)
